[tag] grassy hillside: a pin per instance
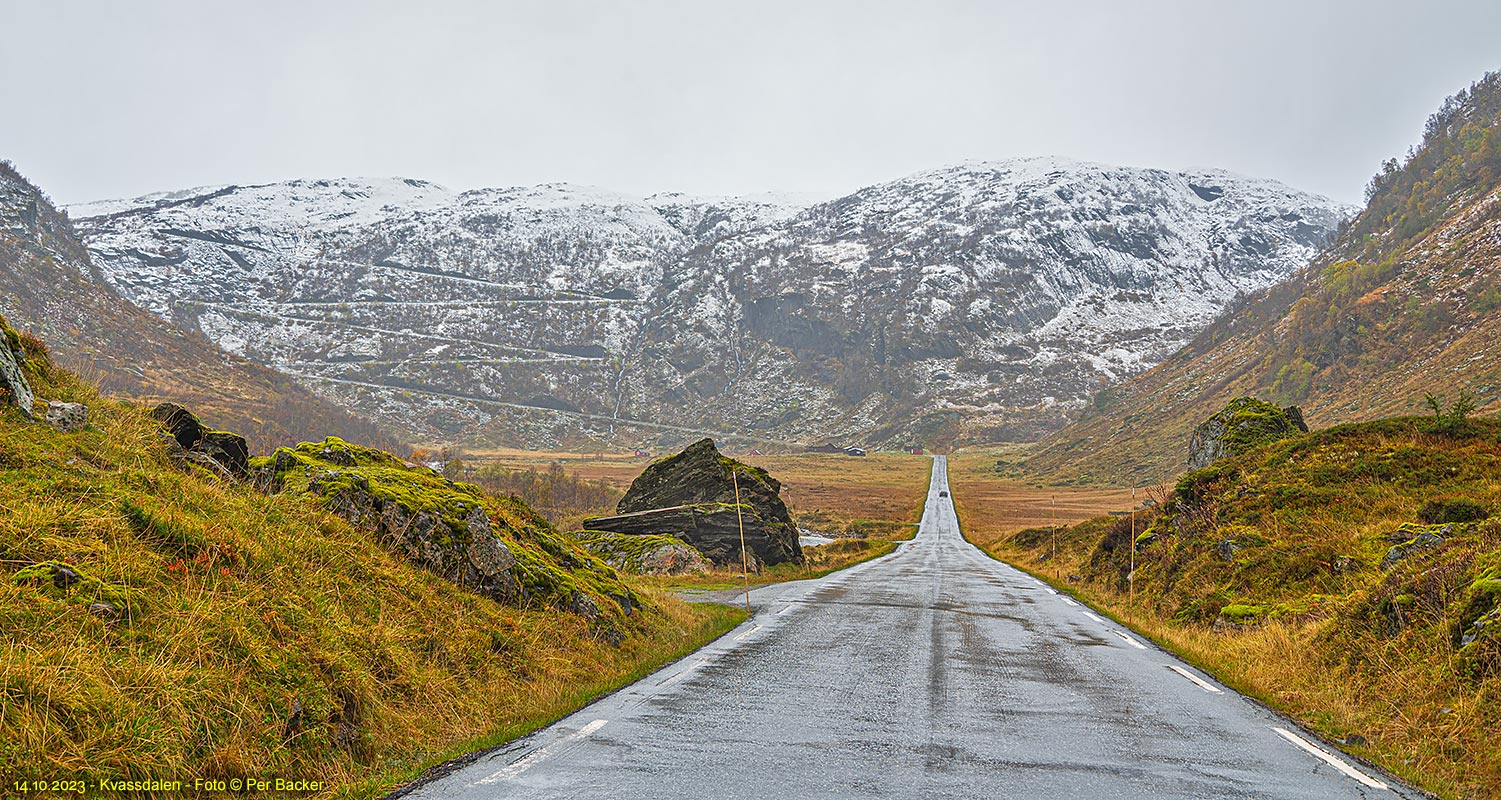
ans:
(159, 623)
(49, 287)
(1350, 576)
(1407, 301)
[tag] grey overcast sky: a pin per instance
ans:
(117, 99)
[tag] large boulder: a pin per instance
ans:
(692, 496)
(1239, 426)
(227, 450)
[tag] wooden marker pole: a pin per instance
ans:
(1057, 568)
(740, 518)
(1131, 576)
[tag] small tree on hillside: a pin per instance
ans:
(1456, 418)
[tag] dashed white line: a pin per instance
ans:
(747, 633)
(1095, 618)
(788, 607)
(685, 673)
(1203, 684)
(1070, 602)
(519, 766)
(1331, 759)
(1130, 641)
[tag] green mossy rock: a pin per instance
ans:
(1241, 425)
(67, 582)
(645, 554)
(497, 547)
(701, 477)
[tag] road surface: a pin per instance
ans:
(934, 672)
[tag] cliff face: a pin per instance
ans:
(985, 300)
(1404, 303)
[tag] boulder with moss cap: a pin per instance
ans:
(692, 496)
(1242, 424)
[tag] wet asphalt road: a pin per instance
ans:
(934, 672)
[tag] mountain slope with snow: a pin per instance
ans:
(989, 299)
(51, 287)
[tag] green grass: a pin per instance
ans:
(1266, 570)
(262, 635)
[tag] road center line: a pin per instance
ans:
(1130, 641)
(1330, 758)
(1203, 684)
(521, 765)
(787, 608)
(747, 633)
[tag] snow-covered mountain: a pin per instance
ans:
(992, 298)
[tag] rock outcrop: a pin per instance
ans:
(204, 445)
(1415, 539)
(12, 379)
(1242, 424)
(450, 529)
(692, 496)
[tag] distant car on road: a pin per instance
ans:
(943, 493)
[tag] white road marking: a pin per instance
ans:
(1095, 618)
(1330, 758)
(685, 673)
(1203, 684)
(747, 633)
(1130, 641)
(519, 766)
(789, 607)
(1070, 602)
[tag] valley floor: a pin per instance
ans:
(935, 672)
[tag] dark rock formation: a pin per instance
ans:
(691, 496)
(712, 529)
(441, 526)
(495, 546)
(228, 450)
(1239, 426)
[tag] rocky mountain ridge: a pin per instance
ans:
(50, 286)
(986, 300)
(1402, 304)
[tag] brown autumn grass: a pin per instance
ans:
(1365, 656)
(825, 492)
(265, 637)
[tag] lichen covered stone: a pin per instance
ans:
(692, 496)
(1241, 425)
